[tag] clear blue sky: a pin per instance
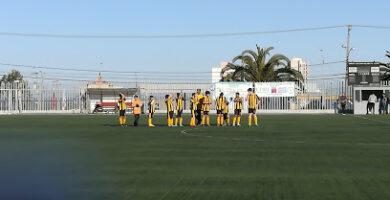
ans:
(187, 17)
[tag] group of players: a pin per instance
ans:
(200, 108)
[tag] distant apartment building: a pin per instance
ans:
(301, 66)
(216, 72)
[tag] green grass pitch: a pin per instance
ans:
(287, 157)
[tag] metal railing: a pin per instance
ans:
(319, 95)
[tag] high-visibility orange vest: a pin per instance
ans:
(136, 109)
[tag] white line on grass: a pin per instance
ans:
(369, 119)
(185, 133)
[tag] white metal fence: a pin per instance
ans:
(20, 98)
(318, 95)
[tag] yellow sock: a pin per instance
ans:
(221, 121)
(228, 120)
(176, 121)
(255, 119)
(208, 120)
(181, 121)
(192, 121)
(124, 120)
(234, 120)
(120, 120)
(203, 120)
(171, 122)
(218, 120)
(249, 120)
(238, 120)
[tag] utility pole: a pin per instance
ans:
(322, 79)
(347, 51)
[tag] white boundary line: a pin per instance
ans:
(369, 119)
(185, 133)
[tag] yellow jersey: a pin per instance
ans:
(169, 103)
(152, 106)
(221, 103)
(238, 103)
(194, 103)
(206, 103)
(200, 100)
(122, 104)
(179, 104)
(226, 109)
(253, 99)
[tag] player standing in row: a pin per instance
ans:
(170, 109)
(152, 108)
(122, 109)
(253, 103)
(237, 110)
(136, 104)
(206, 109)
(193, 107)
(226, 117)
(179, 109)
(220, 104)
(199, 97)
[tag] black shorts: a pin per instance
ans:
(122, 113)
(170, 114)
(151, 115)
(179, 113)
(225, 116)
(251, 110)
(219, 112)
(205, 112)
(237, 111)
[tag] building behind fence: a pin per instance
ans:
(315, 95)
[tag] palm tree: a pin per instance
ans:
(388, 54)
(255, 67)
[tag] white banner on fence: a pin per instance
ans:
(275, 89)
(229, 89)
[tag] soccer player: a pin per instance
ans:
(199, 97)
(152, 108)
(179, 109)
(226, 117)
(194, 107)
(122, 110)
(237, 110)
(253, 102)
(220, 106)
(136, 104)
(206, 109)
(170, 109)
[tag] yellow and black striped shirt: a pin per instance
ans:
(194, 103)
(206, 103)
(169, 103)
(152, 106)
(226, 109)
(179, 104)
(252, 101)
(238, 103)
(221, 103)
(122, 104)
